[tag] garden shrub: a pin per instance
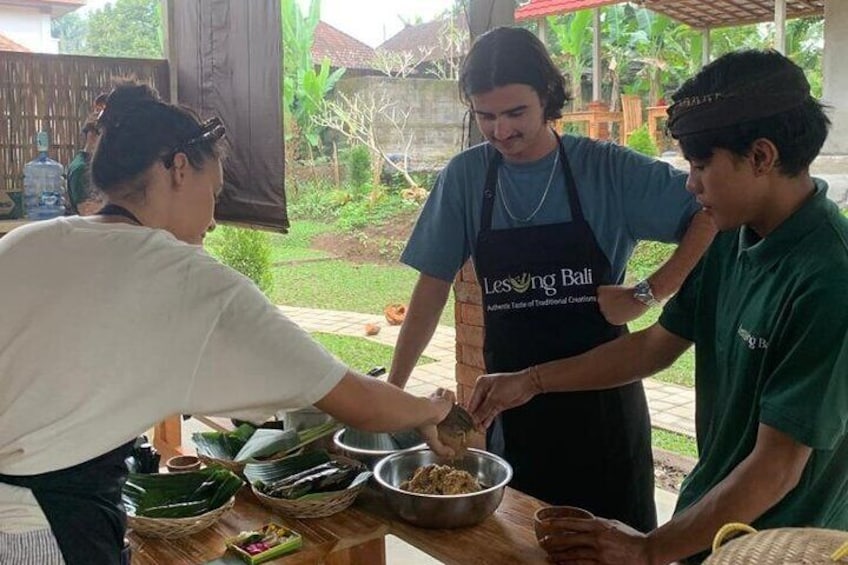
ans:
(640, 140)
(359, 166)
(248, 251)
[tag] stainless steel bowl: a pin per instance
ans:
(368, 456)
(443, 511)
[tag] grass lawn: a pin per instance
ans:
(359, 353)
(295, 245)
(342, 285)
(676, 443)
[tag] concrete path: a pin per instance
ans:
(672, 407)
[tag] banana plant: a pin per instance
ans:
(304, 87)
(573, 33)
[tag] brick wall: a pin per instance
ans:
(469, 331)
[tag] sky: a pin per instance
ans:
(369, 21)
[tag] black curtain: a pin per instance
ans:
(228, 60)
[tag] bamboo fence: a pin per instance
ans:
(55, 93)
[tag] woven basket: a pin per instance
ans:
(235, 467)
(172, 528)
(316, 505)
(779, 546)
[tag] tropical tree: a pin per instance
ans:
(72, 30)
(304, 86)
(126, 28)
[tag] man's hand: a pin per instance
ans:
(497, 392)
(618, 304)
(597, 541)
(443, 400)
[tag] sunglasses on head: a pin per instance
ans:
(210, 131)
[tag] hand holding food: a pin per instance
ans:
(497, 392)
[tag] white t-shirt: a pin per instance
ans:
(108, 329)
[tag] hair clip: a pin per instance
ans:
(210, 131)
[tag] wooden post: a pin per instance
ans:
(169, 49)
(706, 46)
(780, 26)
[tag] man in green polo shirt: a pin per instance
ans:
(767, 308)
(82, 199)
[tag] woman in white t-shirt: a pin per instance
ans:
(114, 322)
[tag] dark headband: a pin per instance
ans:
(767, 97)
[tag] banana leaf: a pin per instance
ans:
(179, 495)
(267, 442)
(270, 471)
(223, 445)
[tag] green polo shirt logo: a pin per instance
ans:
(752, 341)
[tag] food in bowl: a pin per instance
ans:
(438, 510)
(441, 479)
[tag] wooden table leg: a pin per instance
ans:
(168, 436)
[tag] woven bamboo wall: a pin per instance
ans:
(55, 93)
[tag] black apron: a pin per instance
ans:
(586, 449)
(83, 506)
(83, 503)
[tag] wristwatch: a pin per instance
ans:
(643, 293)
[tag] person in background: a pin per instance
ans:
(83, 199)
(767, 311)
(550, 223)
(151, 326)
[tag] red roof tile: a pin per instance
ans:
(696, 13)
(535, 9)
(7, 44)
(342, 49)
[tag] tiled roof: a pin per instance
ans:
(696, 13)
(342, 49)
(535, 9)
(7, 44)
(57, 7)
(425, 35)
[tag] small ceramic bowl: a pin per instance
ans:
(547, 520)
(182, 464)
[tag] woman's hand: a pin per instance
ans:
(497, 392)
(618, 305)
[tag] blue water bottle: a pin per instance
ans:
(44, 184)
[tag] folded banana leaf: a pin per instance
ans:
(255, 444)
(267, 442)
(179, 495)
(270, 471)
(222, 445)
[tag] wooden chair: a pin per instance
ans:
(631, 108)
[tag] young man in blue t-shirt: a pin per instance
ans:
(767, 309)
(550, 224)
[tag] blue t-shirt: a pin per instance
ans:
(625, 196)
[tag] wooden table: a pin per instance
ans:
(8, 225)
(347, 538)
(357, 536)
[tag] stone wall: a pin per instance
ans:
(435, 116)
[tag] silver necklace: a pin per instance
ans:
(541, 200)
